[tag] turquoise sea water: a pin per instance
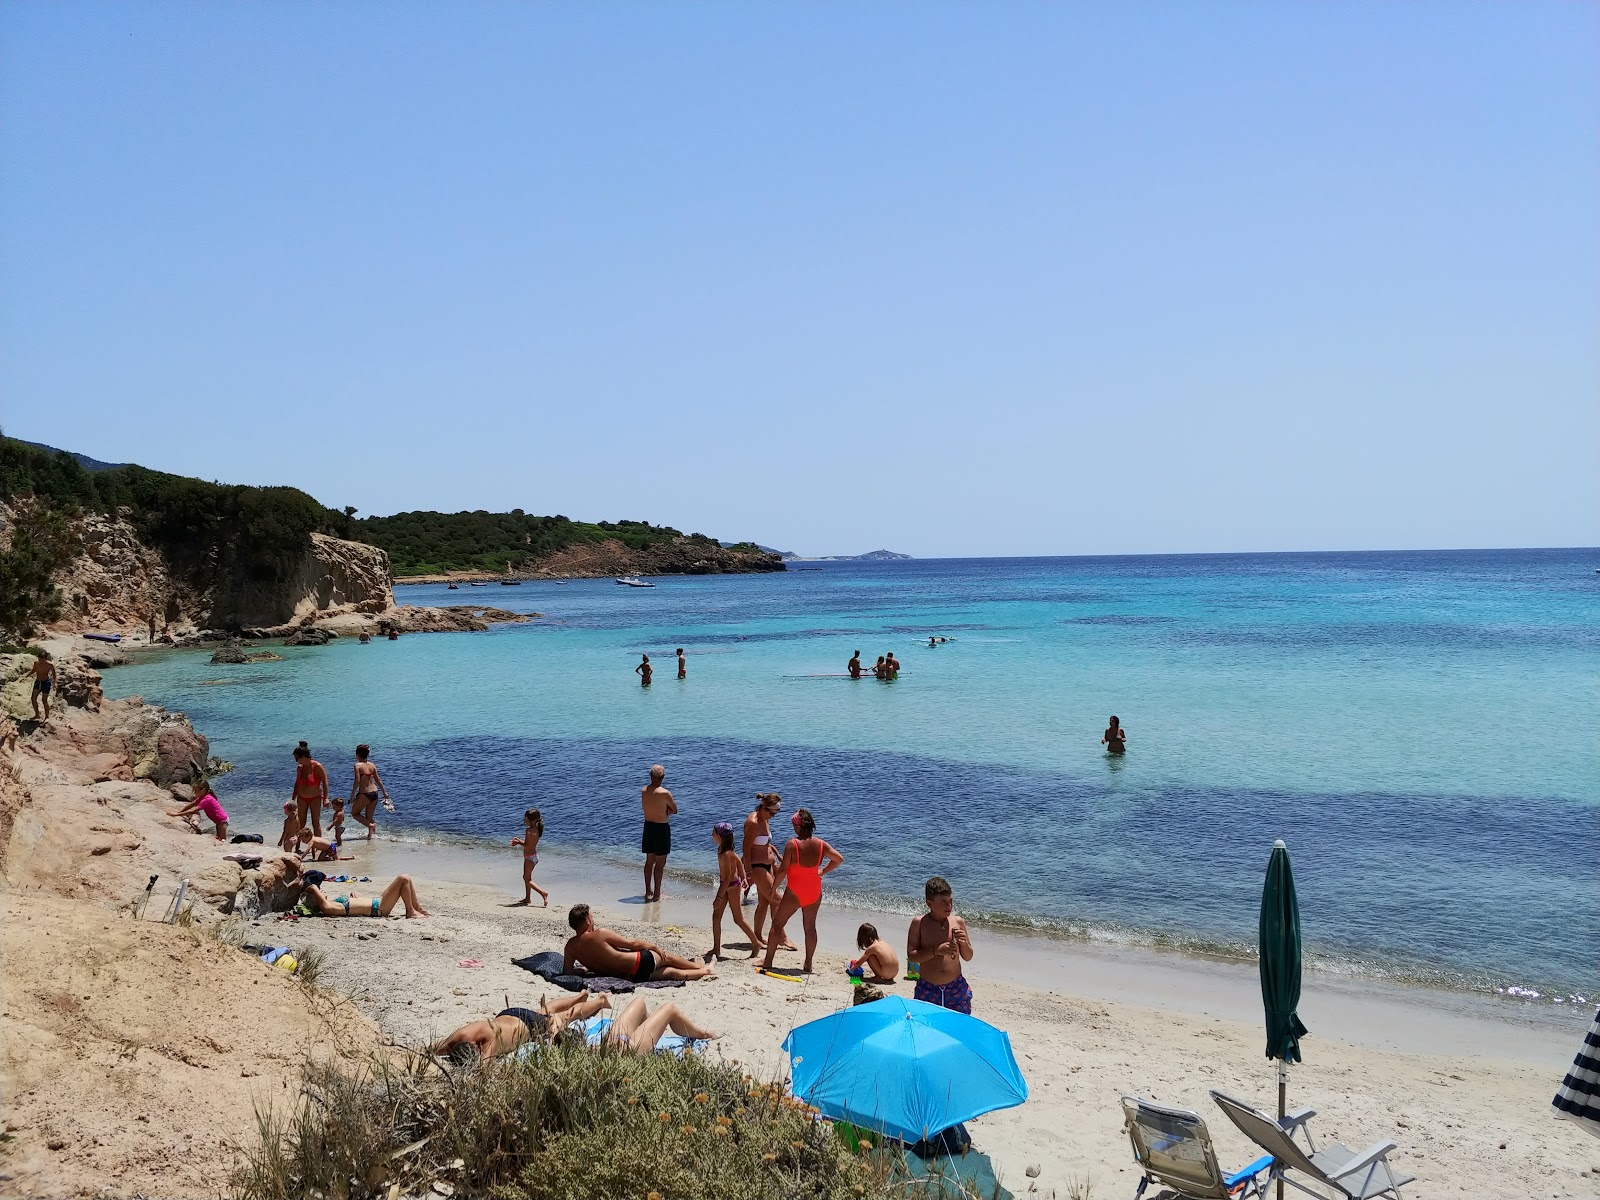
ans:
(1421, 728)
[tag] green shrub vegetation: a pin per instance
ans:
(427, 543)
(569, 1123)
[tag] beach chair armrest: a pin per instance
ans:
(1292, 1121)
(1244, 1173)
(1376, 1152)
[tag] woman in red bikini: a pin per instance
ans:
(310, 788)
(806, 859)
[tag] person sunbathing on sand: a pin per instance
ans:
(512, 1028)
(878, 962)
(605, 952)
(400, 891)
(637, 1029)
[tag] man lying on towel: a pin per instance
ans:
(604, 952)
(636, 1030)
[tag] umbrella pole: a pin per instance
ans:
(1283, 1106)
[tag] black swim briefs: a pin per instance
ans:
(657, 838)
(535, 1021)
(647, 967)
(41, 687)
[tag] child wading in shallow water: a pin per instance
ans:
(730, 890)
(532, 831)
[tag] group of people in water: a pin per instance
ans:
(644, 670)
(886, 668)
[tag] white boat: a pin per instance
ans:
(633, 581)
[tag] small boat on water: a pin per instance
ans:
(633, 581)
(484, 583)
(511, 583)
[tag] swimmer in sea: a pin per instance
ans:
(893, 665)
(854, 665)
(643, 671)
(683, 667)
(1115, 738)
(879, 671)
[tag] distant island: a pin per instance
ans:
(869, 556)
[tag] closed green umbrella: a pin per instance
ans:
(1280, 969)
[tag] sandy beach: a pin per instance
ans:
(1463, 1087)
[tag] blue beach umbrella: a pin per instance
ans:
(904, 1068)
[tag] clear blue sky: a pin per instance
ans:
(952, 279)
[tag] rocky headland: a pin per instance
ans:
(612, 557)
(112, 582)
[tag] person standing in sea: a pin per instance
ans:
(643, 671)
(683, 667)
(310, 788)
(658, 807)
(854, 665)
(364, 790)
(1115, 738)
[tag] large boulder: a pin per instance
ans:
(218, 885)
(229, 653)
(163, 747)
(275, 887)
(310, 637)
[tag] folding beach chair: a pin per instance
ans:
(1174, 1148)
(1357, 1176)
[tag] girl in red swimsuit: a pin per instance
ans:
(806, 859)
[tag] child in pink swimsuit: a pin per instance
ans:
(209, 807)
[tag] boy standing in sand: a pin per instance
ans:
(657, 841)
(937, 942)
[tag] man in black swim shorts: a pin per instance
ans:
(44, 678)
(657, 841)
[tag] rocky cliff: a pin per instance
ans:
(333, 575)
(112, 581)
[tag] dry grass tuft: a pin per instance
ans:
(569, 1121)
